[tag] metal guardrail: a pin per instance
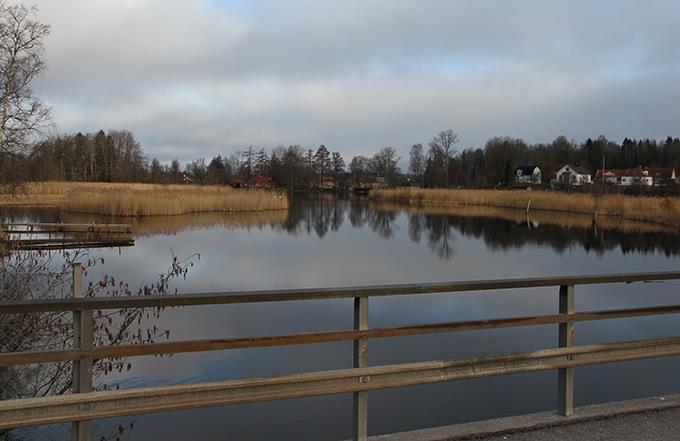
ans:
(85, 405)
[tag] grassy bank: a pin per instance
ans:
(659, 210)
(142, 199)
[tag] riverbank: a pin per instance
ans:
(115, 199)
(659, 210)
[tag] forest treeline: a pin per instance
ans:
(117, 156)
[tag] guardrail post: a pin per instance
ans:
(82, 369)
(565, 394)
(360, 420)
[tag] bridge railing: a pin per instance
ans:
(84, 405)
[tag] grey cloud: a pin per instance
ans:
(196, 79)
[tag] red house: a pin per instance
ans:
(260, 182)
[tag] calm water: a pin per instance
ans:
(333, 242)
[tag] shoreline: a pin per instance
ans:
(662, 211)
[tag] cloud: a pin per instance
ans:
(198, 78)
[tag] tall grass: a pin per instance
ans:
(662, 210)
(143, 199)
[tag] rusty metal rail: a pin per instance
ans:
(85, 405)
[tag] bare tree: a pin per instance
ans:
(417, 163)
(444, 141)
(384, 164)
(22, 115)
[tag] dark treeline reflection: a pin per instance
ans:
(322, 214)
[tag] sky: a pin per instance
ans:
(197, 78)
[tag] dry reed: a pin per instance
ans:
(661, 210)
(115, 199)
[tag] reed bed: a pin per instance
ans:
(172, 201)
(661, 210)
(114, 199)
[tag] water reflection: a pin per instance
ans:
(319, 215)
(165, 225)
(499, 228)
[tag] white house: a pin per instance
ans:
(528, 174)
(573, 175)
(636, 176)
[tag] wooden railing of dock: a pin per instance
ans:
(61, 236)
(84, 405)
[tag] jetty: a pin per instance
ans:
(62, 236)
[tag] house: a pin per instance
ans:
(573, 175)
(185, 179)
(328, 183)
(628, 177)
(260, 182)
(374, 184)
(528, 174)
(662, 175)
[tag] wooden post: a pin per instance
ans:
(82, 369)
(565, 393)
(360, 426)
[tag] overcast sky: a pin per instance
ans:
(194, 78)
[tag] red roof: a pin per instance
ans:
(260, 180)
(656, 172)
(661, 172)
(620, 172)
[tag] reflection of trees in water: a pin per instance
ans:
(440, 238)
(323, 213)
(320, 214)
(438, 230)
(504, 234)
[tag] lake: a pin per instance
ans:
(324, 241)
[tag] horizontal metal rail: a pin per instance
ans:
(93, 405)
(205, 345)
(220, 298)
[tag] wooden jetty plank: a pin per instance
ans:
(46, 228)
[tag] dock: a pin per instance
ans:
(62, 236)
